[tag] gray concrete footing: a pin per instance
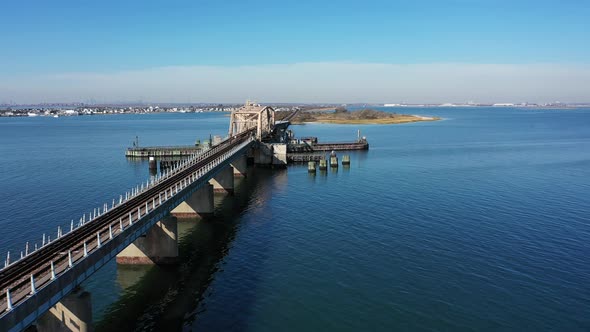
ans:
(200, 204)
(158, 246)
(223, 182)
(72, 313)
(240, 165)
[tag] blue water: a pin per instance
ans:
(477, 222)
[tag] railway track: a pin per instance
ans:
(48, 260)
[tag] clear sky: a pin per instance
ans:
(103, 50)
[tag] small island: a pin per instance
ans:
(341, 115)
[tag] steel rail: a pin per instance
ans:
(16, 276)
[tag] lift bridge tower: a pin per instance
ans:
(252, 115)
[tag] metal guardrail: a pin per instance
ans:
(23, 278)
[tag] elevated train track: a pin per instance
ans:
(23, 278)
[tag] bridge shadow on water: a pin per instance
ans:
(167, 297)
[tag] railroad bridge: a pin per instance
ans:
(135, 229)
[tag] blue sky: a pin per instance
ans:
(110, 37)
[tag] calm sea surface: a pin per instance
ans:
(477, 222)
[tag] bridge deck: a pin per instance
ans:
(24, 279)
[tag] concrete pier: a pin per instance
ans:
(200, 204)
(311, 167)
(333, 161)
(346, 160)
(223, 182)
(152, 164)
(271, 154)
(158, 246)
(323, 164)
(239, 165)
(72, 313)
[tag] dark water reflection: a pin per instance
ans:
(167, 297)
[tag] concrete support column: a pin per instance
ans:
(239, 165)
(223, 182)
(200, 204)
(72, 313)
(271, 154)
(158, 246)
(263, 154)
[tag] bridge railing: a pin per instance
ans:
(89, 244)
(124, 198)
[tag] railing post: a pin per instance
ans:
(72, 226)
(33, 290)
(138, 212)
(70, 263)
(85, 249)
(8, 300)
(52, 271)
(110, 232)
(98, 239)
(121, 225)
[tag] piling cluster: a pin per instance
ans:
(323, 163)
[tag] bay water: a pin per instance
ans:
(480, 221)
